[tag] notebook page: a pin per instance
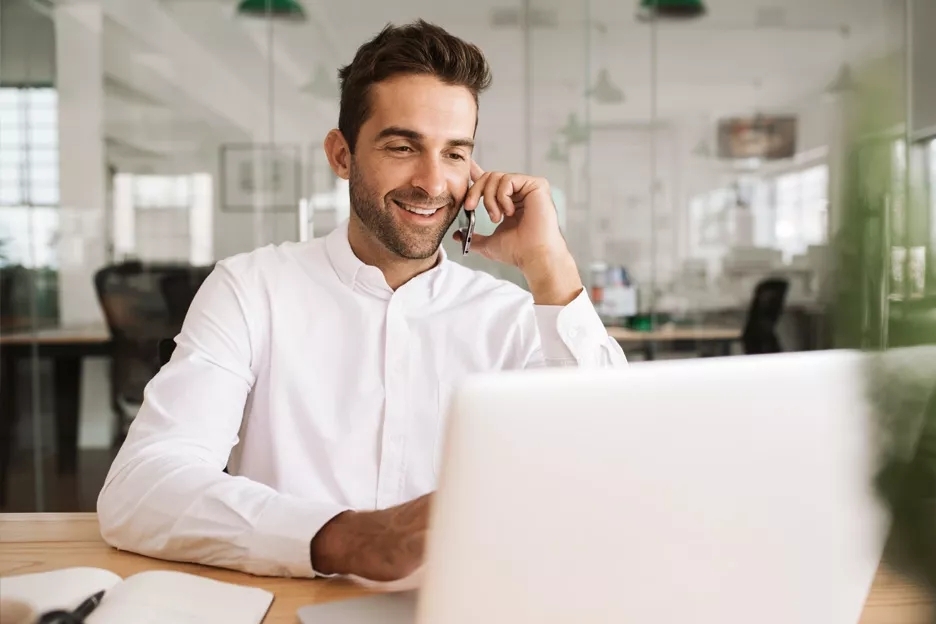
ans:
(161, 596)
(24, 597)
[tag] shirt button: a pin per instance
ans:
(574, 332)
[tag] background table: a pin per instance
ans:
(66, 347)
(720, 337)
(39, 542)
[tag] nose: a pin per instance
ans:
(430, 176)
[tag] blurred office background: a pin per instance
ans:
(732, 177)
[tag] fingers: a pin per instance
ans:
(491, 203)
(504, 195)
(476, 171)
(501, 192)
(480, 244)
(473, 196)
(482, 188)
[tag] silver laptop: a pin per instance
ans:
(726, 490)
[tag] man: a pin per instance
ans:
(320, 373)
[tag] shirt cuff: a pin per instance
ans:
(572, 333)
(284, 532)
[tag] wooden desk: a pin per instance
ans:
(39, 542)
(80, 335)
(721, 337)
(66, 347)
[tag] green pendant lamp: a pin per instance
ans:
(575, 131)
(279, 9)
(673, 9)
(556, 154)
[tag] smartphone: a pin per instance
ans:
(467, 226)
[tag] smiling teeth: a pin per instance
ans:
(419, 211)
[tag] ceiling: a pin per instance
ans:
(186, 75)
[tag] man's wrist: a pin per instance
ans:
(327, 547)
(553, 277)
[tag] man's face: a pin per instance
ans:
(409, 173)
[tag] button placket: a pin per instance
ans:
(393, 447)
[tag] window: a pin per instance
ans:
(162, 192)
(29, 175)
(788, 213)
(159, 218)
(802, 210)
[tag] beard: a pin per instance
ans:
(409, 241)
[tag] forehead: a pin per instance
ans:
(424, 104)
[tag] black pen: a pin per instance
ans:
(89, 605)
(74, 617)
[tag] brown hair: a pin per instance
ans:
(416, 48)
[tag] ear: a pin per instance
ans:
(338, 153)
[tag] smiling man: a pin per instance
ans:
(319, 373)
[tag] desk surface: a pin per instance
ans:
(39, 542)
(700, 333)
(79, 334)
(97, 334)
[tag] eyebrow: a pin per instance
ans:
(412, 135)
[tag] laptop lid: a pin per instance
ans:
(720, 490)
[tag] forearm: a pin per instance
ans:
(174, 505)
(553, 278)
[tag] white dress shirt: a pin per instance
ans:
(322, 390)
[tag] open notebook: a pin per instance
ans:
(157, 596)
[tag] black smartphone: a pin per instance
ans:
(466, 227)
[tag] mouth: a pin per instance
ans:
(416, 210)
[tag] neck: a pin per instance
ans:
(396, 270)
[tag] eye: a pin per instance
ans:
(457, 156)
(401, 149)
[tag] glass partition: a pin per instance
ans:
(691, 159)
(140, 143)
(720, 149)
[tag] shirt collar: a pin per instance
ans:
(355, 274)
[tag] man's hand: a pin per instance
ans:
(383, 545)
(527, 234)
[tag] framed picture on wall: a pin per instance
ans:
(263, 177)
(762, 136)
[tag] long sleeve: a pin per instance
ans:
(167, 495)
(573, 335)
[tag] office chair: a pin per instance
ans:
(760, 330)
(7, 282)
(178, 286)
(137, 319)
(165, 349)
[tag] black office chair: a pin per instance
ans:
(166, 347)
(179, 286)
(137, 319)
(760, 330)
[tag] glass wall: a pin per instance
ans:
(716, 162)
(141, 141)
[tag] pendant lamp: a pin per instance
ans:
(322, 85)
(677, 9)
(575, 131)
(278, 9)
(556, 155)
(605, 91)
(843, 84)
